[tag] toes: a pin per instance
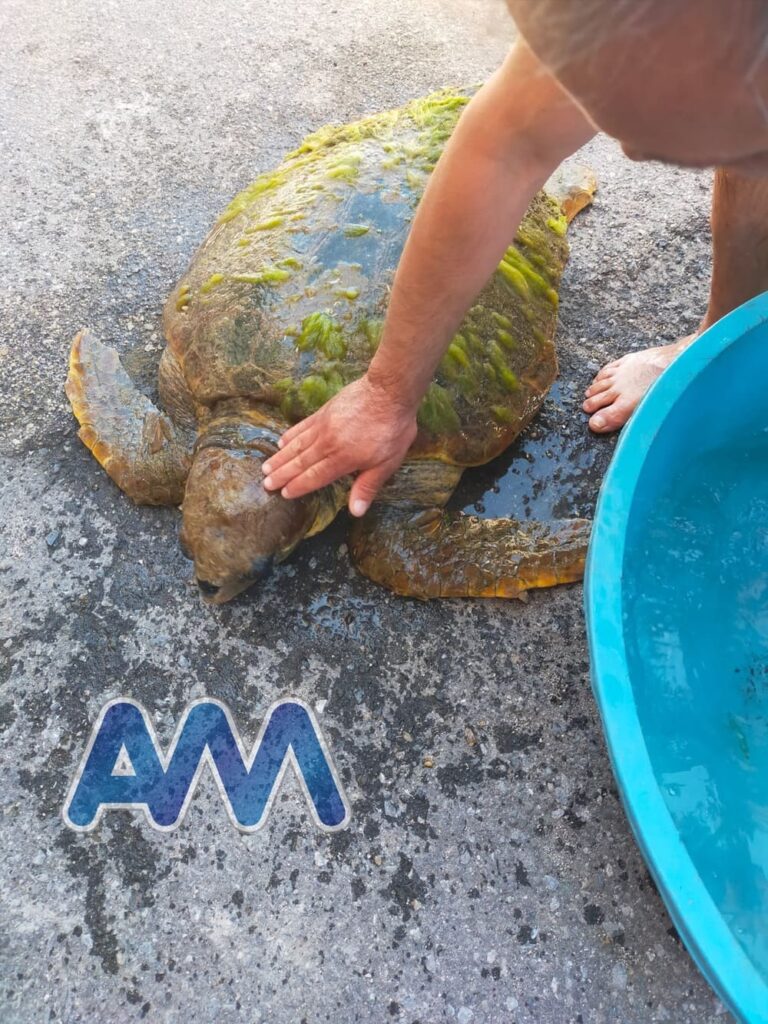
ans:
(598, 385)
(612, 418)
(614, 363)
(605, 373)
(600, 400)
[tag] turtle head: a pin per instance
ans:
(233, 529)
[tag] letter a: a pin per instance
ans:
(121, 729)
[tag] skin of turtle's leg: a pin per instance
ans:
(142, 450)
(428, 553)
(175, 396)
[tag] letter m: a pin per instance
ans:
(123, 766)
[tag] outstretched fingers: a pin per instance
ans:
(296, 430)
(318, 474)
(359, 429)
(296, 455)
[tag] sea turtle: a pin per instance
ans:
(282, 306)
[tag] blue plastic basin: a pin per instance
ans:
(677, 610)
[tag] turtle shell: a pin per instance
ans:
(285, 300)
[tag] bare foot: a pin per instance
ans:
(617, 389)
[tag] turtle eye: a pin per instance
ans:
(208, 589)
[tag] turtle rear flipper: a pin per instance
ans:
(574, 187)
(434, 553)
(141, 449)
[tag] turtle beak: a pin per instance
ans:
(213, 593)
(262, 567)
(208, 590)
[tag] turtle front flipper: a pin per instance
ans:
(434, 553)
(142, 450)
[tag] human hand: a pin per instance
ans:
(362, 429)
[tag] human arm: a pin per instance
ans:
(510, 138)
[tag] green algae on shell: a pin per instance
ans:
(267, 275)
(182, 299)
(515, 278)
(267, 225)
(457, 351)
(558, 223)
(244, 199)
(313, 392)
(521, 275)
(371, 330)
(213, 282)
(299, 398)
(502, 414)
(319, 331)
(436, 412)
(347, 167)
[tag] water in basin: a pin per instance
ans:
(695, 601)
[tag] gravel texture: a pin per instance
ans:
(488, 875)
